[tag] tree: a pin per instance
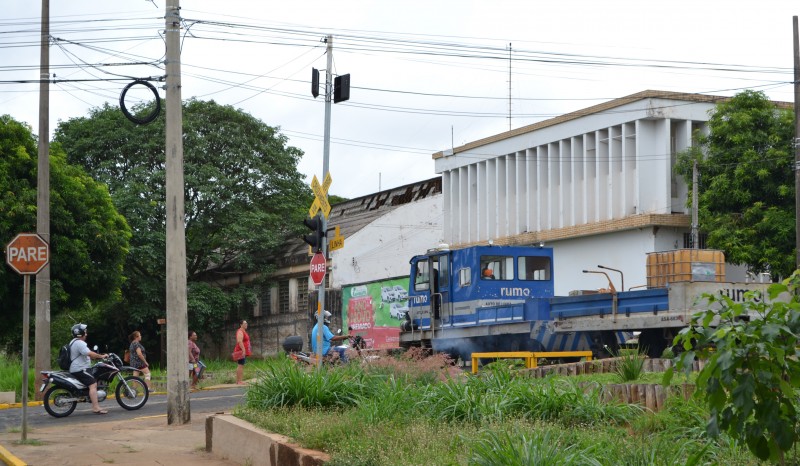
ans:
(88, 237)
(243, 197)
(746, 193)
(752, 366)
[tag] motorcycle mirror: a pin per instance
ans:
(339, 331)
(94, 348)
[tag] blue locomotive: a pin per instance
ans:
(485, 298)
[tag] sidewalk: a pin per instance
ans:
(130, 441)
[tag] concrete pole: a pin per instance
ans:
(326, 149)
(178, 411)
(796, 142)
(42, 332)
(695, 208)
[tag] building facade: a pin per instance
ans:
(598, 185)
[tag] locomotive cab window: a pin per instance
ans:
(464, 276)
(497, 268)
(422, 276)
(534, 268)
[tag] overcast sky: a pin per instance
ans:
(425, 75)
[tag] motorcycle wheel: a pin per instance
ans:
(134, 398)
(55, 404)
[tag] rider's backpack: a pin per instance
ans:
(64, 356)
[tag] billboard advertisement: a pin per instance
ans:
(376, 310)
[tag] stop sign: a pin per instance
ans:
(27, 253)
(317, 268)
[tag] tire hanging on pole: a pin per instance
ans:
(152, 115)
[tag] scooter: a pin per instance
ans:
(66, 391)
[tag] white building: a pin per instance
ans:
(597, 185)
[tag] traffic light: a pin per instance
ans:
(317, 235)
(341, 88)
(314, 82)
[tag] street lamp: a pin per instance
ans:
(621, 276)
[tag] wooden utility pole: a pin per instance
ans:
(796, 143)
(178, 411)
(42, 332)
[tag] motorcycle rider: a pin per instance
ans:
(327, 338)
(81, 357)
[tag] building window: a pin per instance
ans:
(302, 293)
(264, 302)
(701, 238)
(283, 297)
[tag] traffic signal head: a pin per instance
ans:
(317, 235)
(341, 88)
(314, 82)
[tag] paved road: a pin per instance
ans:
(203, 401)
(139, 437)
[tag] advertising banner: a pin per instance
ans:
(376, 310)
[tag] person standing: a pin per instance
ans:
(243, 348)
(139, 358)
(81, 357)
(196, 366)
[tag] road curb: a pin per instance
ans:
(231, 438)
(19, 405)
(10, 459)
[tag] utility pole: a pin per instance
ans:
(796, 142)
(509, 86)
(326, 150)
(178, 411)
(42, 332)
(695, 207)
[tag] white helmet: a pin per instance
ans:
(326, 317)
(78, 330)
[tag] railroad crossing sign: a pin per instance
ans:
(317, 268)
(320, 196)
(27, 253)
(337, 242)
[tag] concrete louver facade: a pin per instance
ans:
(597, 184)
(600, 164)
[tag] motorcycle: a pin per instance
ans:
(295, 352)
(66, 391)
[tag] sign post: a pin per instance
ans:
(27, 254)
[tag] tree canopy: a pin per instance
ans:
(747, 193)
(243, 197)
(88, 237)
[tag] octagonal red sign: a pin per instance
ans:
(317, 268)
(27, 253)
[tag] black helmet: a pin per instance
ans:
(78, 330)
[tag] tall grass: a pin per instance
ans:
(286, 383)
(401, 411)
(11, 377)
(629, 364)
(534, 449)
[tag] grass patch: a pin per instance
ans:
(392, 414)
(31, 441)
